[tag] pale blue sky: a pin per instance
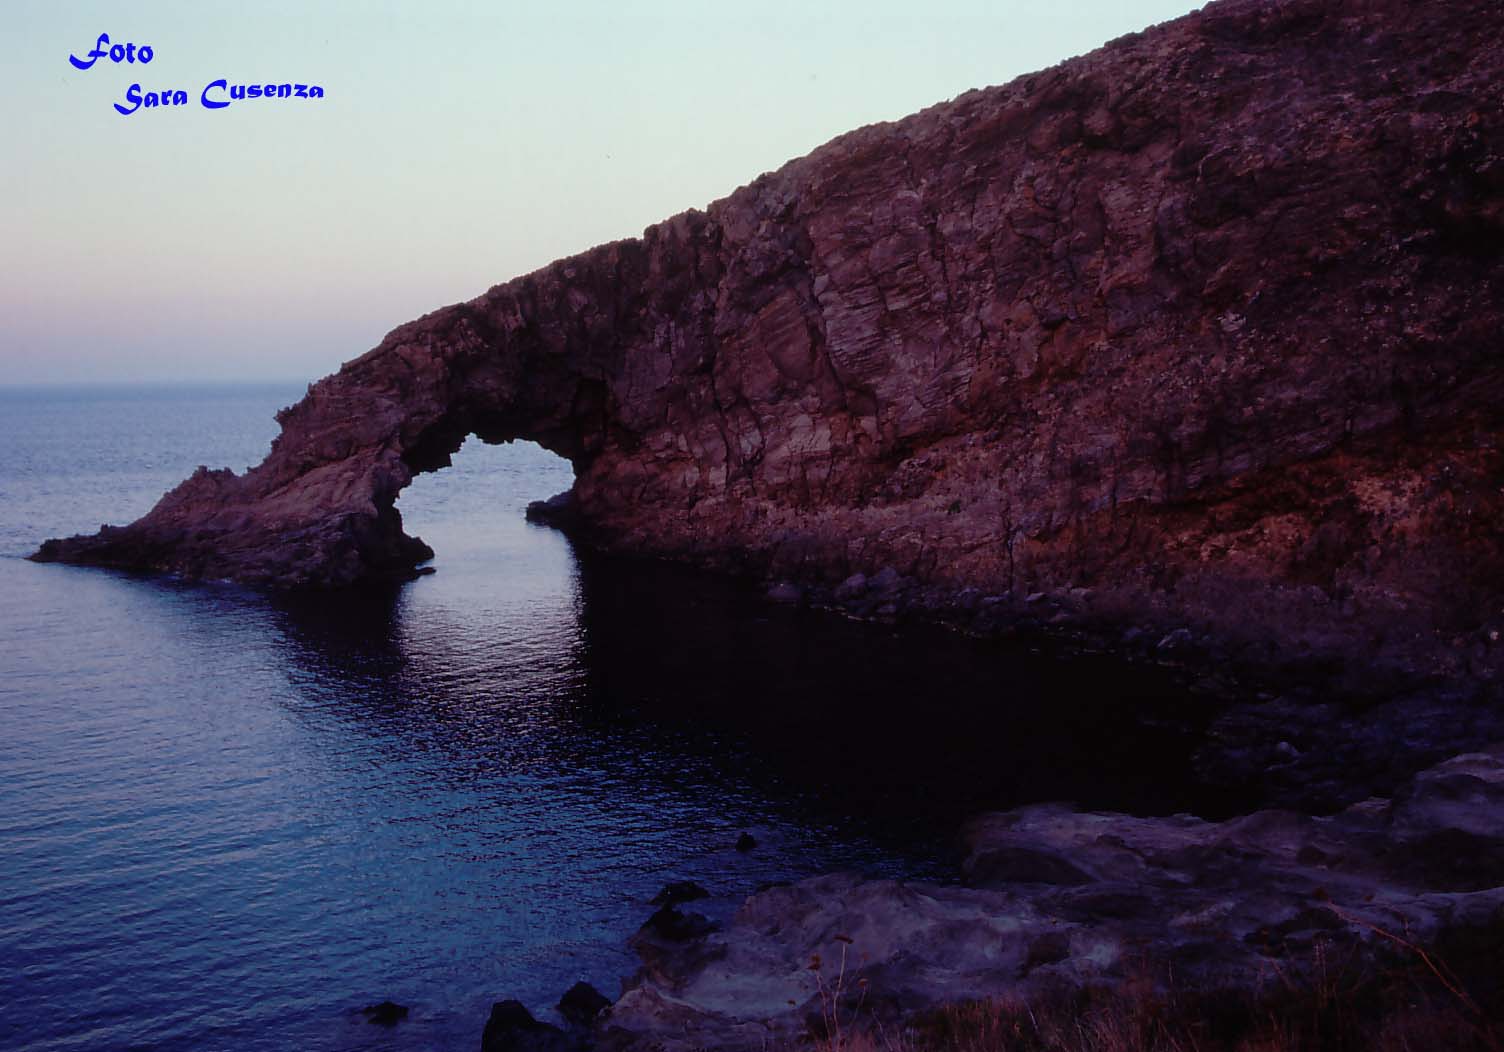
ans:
(460, 144)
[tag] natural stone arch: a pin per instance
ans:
(1120, 335)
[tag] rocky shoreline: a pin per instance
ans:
(1053, 900)
(1301, 730)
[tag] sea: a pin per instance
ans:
(230, 819)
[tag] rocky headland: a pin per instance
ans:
(1198, 331)
(1192, 343)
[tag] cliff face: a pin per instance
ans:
(1202, 328)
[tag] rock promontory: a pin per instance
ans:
(1201, 329)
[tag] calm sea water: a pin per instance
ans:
(230, 819)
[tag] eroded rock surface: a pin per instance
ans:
(1056, 897)
(1200, 329)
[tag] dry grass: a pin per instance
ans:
(1448, 998)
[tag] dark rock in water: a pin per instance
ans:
(746, 842)
(582, 1004)
(679, 891)
(1206, 320)
(668, 924)
(671, 941)
(512, 1028)
(387, 1013)
(557, 511)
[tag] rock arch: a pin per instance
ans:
(1153, 343)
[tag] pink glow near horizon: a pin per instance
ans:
(459, 144)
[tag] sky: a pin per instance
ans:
(458, 144)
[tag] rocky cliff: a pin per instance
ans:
(1200, 329)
